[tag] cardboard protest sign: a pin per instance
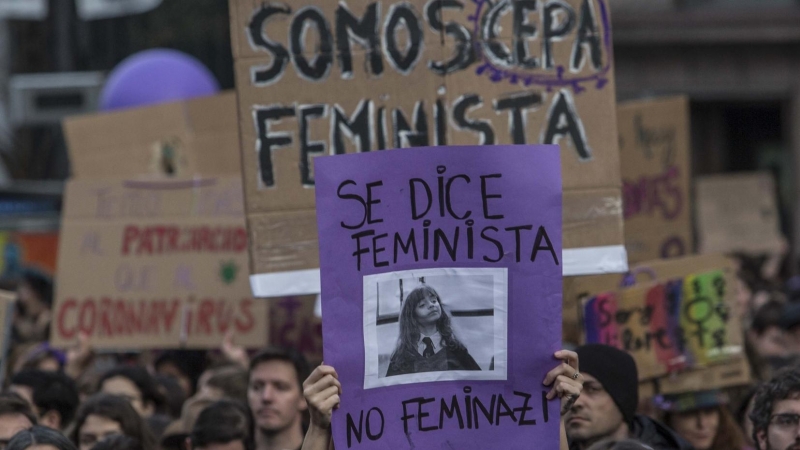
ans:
(577, 289)
(670, 324)
(441, 271)
(319, 77)
(155, 253)
(738, 212)
(155, 264)
(656, 177)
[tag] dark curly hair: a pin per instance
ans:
(780, 387)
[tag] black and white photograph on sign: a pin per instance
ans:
(435, 325)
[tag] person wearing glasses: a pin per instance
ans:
(702, 418)
(776, 413)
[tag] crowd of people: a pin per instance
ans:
(232, 399)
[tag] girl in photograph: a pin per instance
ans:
(427, 342)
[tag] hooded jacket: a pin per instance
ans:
(654, 434)
(657, 435)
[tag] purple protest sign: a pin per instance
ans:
(441, 295)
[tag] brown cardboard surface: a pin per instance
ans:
(290, 191)
(283, 241)
(201, 133)
(591, 217)
(103, 199)
(733, 373)
(656, 176)
(155, 265)
(598, 168)
(497, 90)
(281, 16)
(286, 241)
(738, 212)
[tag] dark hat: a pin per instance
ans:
(616, 371)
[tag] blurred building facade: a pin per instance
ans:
(738, 61)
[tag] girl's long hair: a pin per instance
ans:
(407, 342)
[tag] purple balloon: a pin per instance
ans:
(156, 76)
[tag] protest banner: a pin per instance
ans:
(738, 212)
(460, 241)
(656, 177)
(670, 324)
(21, 249)
(321, 77)
(155, 255)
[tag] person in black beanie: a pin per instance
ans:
(607, 407)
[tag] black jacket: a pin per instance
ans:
(655, 434)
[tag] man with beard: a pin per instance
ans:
(275, 397)
(606, 409)
(776, 413)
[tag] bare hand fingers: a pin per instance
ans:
(319, 372)
(326, 382)
(330, 404)
(563, 369)
(562, 383)
(569, 357)
(318, 398)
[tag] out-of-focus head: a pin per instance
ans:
(103, 415)
(185, 365)
(53, 396)
(15, 415)
(607, 403)
(701, 418)
(119, 442)
(40, 438)
(776, 412)
(224, 424)
(34, 292)
(231, 382)
(275, 393)
(136, 385)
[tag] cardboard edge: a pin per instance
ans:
(576, 261)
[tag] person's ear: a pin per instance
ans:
(187, 444)
(761, 437)
(51, 419)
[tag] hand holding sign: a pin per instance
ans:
(566, 380)
(321, 390)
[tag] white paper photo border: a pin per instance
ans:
(500, 372)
